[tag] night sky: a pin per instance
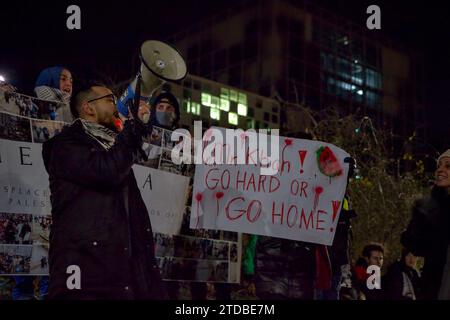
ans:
(34, 36)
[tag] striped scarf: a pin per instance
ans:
(48, 93)
(104, 136)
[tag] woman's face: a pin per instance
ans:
(442, 174)
(65, 82)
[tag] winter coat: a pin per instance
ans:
(427, 235)
(100, 222)
(398, 280)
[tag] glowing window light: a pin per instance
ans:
(214, 102)
(233, 95)
(224, 93)
(206, 99)
(195, 108)
(242, 99)
(233, 118)
(187, 105)
(215, 114)
(224, 105)
(242, 110)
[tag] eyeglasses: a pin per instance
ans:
(112, 96)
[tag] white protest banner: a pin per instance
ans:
(25, 210)
(24, 181)
(301, 202)
(25, 188)
(164, 195)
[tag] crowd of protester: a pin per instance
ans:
(275, 268)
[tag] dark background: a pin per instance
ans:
(34, 36)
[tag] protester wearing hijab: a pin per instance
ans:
(55, 84)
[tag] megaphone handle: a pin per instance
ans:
(137, 97)
(135, 108)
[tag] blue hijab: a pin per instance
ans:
(49, 77)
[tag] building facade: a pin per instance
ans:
(216, 104)
(292, 51)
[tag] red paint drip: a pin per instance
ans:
(317, 192)
(302, 155)
(219, 195)
(198, 197)
(336, 206)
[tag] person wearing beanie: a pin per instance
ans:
(166, 110)
(427, 234)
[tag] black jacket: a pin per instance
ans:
(427, 236)
(392, 282)
(100, 222)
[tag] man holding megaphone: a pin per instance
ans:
(101, 241)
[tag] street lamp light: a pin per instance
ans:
(2, 78)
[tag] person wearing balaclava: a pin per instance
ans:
(165, 114)
(55, 84)
(167, 111)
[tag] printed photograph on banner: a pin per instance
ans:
(15, 259)
(152, 148)
(8, 102)
(14, 127)
(156, 137)
(41, 229)
(217, 234)
(220, 251)
(193, 270)
(190, 247)
(39, 260)
(19, 104)
(166, 163)
(214, 271)
(153, 154)
(234, 272)
(45, 129)
(15, 228)
(164, 245)
(233, 252)
(167, 140)
(26, 106)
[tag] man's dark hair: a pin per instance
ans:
(372, 247)
(80, 94)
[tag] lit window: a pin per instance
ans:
(195, 108)
(250, 123)
(233, 95)
(215, 114)
(224, 104)
(187, 105)
(233, 118)
(242, 110)
(224, 93)
(214, 102)
(242, 98)
(206, 99)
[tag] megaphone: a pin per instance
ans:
(160, 62)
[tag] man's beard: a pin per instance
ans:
(109, 123)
